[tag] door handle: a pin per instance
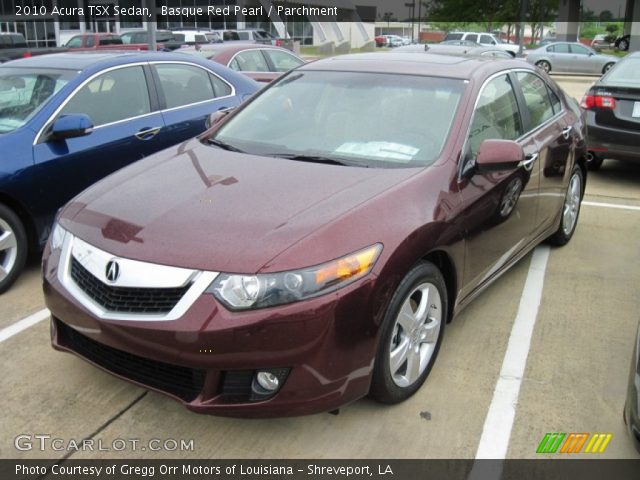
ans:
(528, 161)
(148, 133)
(566, 132)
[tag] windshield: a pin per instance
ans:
(625, 73)
(24, 91)
(364, 119)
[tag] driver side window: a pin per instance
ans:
(496, 115)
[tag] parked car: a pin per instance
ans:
(198, 37)
(67, 120)
(380, 40)
(612, 106)
(104, 41)
(484, 39)
(170, 40)
(297, 257)
(632, 404)
(14, 45)
(570, 57)
(260, 62)
(547, 41)
(454, 49)
(622, 42)
(393, 41)
(257, 35)
(600, 41)
(460, 43)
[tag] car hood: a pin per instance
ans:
(202, 207)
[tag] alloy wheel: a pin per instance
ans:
(8, 249)
(571, 204)
(415, 334)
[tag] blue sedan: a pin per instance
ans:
(69, 119)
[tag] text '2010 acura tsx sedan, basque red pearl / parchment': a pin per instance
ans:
(310, 247)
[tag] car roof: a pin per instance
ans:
(84, 60)
(412, 63)
(234, 47)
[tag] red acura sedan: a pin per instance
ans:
(263, 63)
(297, 257)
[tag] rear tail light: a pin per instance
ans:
(597, 101)
(278, 43)
(26, 55)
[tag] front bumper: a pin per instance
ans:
(207, 358)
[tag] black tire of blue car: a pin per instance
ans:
(565, 232)
(13, 247)
(384, 388)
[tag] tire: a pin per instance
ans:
(607, 67)
(570, 209)
(544, 65)
(412, 333)
(13, 247)
(623, 45)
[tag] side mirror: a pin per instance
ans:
(71, 126)
(498, 155)
(217, 116)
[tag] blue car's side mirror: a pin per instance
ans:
(71, 126)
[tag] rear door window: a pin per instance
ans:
(250, 61)
(187, 84)
(536, 95)
(283, 61)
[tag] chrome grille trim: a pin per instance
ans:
(136, 274)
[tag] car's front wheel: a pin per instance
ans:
(607, 67)
(623, 45)
(13, 247)
(412, 333)
(544, 65)
(570, 209)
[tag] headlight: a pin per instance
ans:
(57, 236)
(244, 292)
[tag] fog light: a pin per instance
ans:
(268, 381)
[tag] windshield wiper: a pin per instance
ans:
(312, 159)
(223, 145)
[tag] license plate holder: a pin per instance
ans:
(636, 110)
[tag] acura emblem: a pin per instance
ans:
(112, 271)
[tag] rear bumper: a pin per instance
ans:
(605, 142)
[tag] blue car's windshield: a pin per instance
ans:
(24, 91)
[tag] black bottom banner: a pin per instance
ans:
(560, 469)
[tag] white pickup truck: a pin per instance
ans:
(484, 39)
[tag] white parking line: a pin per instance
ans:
(23, 324)
(611, 205)
(498, 424)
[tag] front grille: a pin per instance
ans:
(125, 299)
(185, 383)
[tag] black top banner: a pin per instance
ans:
(476, 11)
